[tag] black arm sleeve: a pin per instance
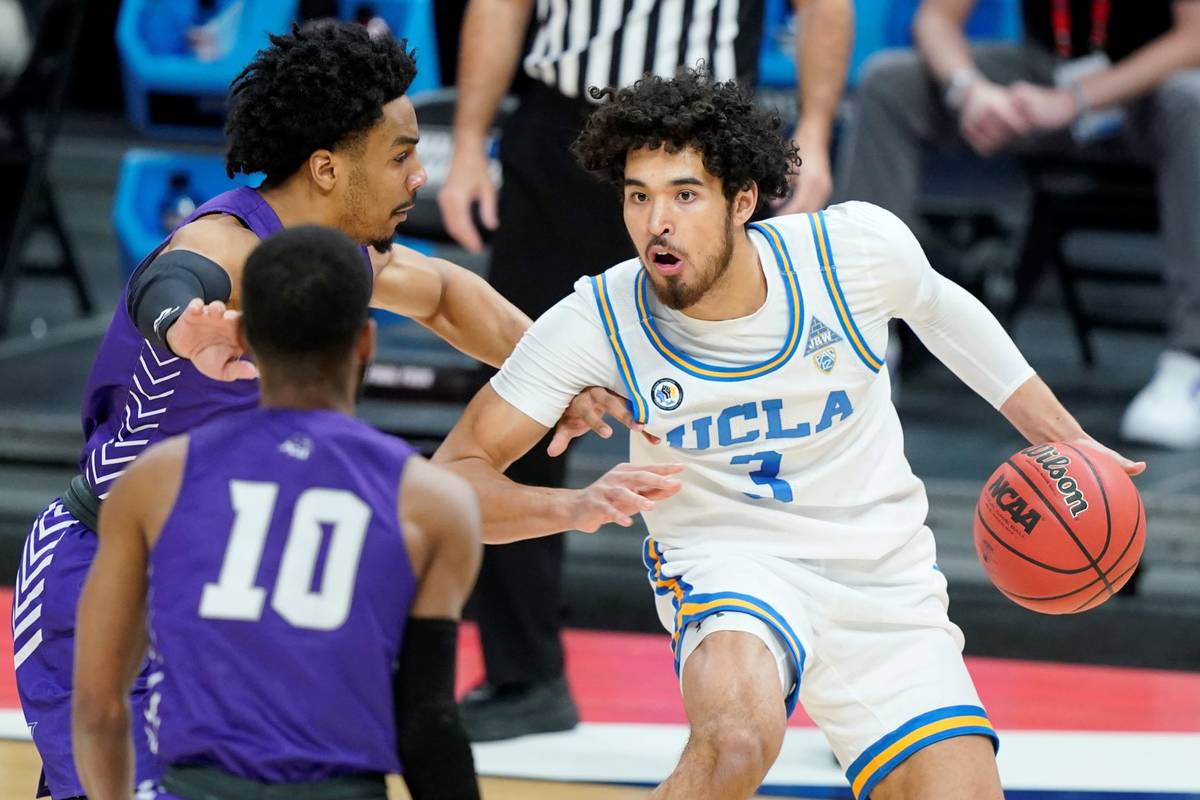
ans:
(160, 291)
(434, 748)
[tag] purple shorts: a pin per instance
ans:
(58, 552)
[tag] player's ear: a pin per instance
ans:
(744, 203)
(323, 168)
(365, 347)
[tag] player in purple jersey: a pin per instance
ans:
(323, 114)
(301, 575)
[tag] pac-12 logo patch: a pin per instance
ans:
(825, 359)
(667, 394)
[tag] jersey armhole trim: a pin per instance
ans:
(637, 404)
(854, 336)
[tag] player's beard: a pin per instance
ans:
(358, 209)
(677, 294)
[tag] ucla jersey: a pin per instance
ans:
(799, 453)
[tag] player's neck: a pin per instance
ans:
(308, 397)
(295, 203)
(740, 291)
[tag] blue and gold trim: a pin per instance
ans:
(637, 403)
(878, 760)
(854, 336)
(712, 372)
(690, 607)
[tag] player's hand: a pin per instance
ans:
(467, 183)
(207, 335)
(1130, 467)
(1047, 109)
(586, 413)
(990, 118)
(622, 492)
(813, 183)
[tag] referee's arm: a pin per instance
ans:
(492, 35)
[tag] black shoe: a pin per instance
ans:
(492, 713)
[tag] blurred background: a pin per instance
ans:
(112, 129)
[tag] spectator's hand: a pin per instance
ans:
(467, 183)
(207, 335)
(1047, 109)
(1130, 467)
(622, 492)
(586, 413)
(990, 118)
(813, 184)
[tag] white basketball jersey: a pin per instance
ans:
(800, 455)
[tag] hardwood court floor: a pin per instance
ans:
(19, 766)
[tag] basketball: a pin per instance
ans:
(1059, 529)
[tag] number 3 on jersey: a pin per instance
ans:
(767, 474)
(234, 595)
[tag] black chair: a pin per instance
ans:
(1098, 193)
(30, 114)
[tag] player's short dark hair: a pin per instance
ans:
(305, 293)
(739, 142)
(320, 86)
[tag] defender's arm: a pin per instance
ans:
(110, 644)
(440, 518)
(451, 301)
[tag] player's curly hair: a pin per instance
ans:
(738, 142)
(320, 86)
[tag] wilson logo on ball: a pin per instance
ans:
(1009, 500)
(1055, 464)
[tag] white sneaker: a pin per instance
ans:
(1166, 412)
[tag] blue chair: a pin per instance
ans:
(411, 20)
(163, 77)
(143, 185)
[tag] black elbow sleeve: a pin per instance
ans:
(160, 291)
(434, 749)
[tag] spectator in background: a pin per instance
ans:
(1088, 69)
(554, 223)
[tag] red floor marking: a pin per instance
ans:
(8, 681)
(628, 677)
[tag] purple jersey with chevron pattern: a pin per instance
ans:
(279, 589)
(138, 393)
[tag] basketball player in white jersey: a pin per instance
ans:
(789, 558)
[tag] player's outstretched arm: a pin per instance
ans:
(492, 434)
(440, 517)
(451, 301)
(110, 638)
(1040, 417)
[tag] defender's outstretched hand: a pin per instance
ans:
(623, 491)
(586, 413)
(207, 335)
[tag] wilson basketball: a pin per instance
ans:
(1059, 529)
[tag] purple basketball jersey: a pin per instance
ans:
(138, 393)
(279, 589)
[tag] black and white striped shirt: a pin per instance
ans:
(581, 43)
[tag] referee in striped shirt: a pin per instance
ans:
(553, 223)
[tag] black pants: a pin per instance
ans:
(557, 223)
